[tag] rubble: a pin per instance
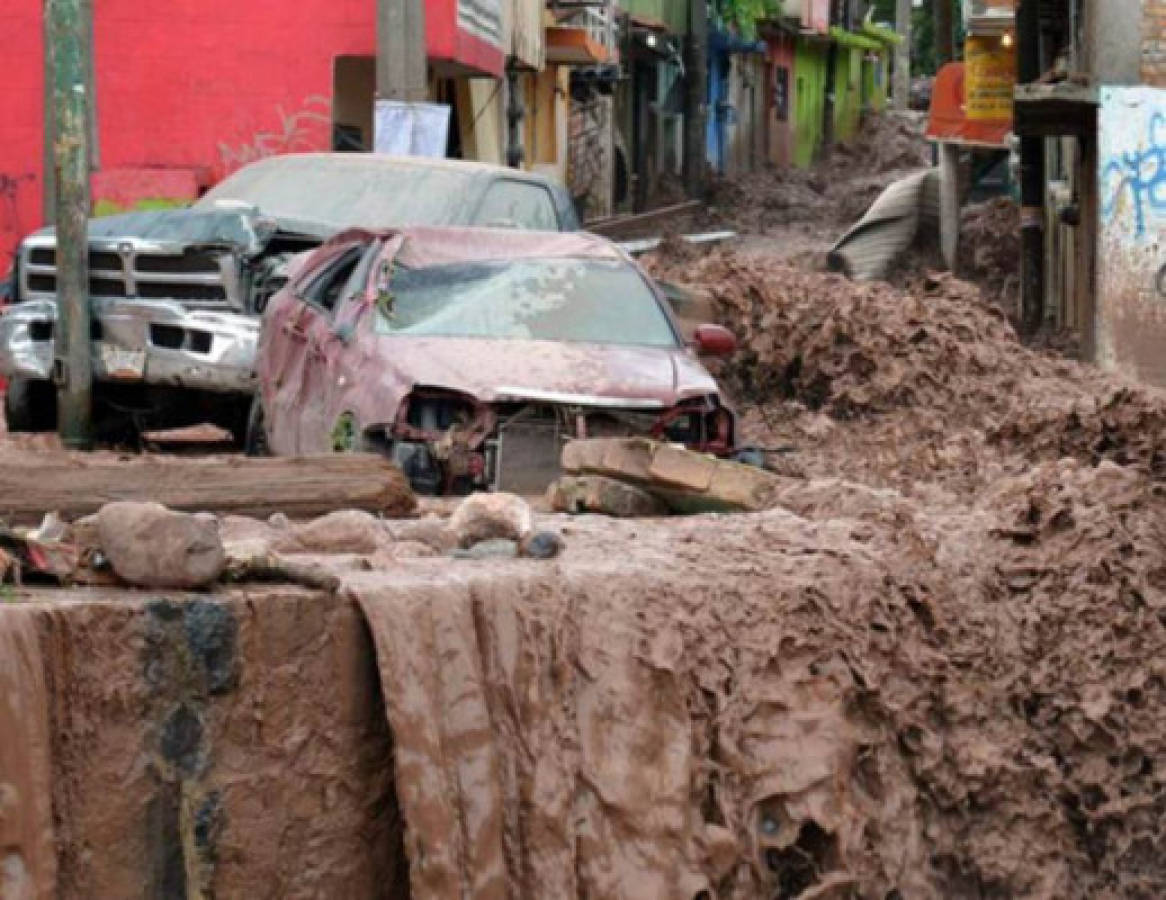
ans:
(486, 517)
(989, 254)
(682, 480)
(151, 546)
(599, 494)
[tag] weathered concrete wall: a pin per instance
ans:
(1113, 40)
(230, 747)
(1131, 295)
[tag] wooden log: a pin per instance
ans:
(298, 487)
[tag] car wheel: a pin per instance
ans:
(30, 405)
(255, 439)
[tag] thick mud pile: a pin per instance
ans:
(854, 695)
(827, 197)
(990, 250)
(909, 389)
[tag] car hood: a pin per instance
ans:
(557, 372)
(246, 229)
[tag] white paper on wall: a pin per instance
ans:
(410, 129)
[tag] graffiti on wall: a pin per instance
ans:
(1130, 300)
(302, 130)
(11, 225)
(1133, 181)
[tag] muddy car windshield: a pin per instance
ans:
(342, 191)
(589, 301)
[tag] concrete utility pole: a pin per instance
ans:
(68, 47)
(402, 63)
(902, 84)
(696, 97)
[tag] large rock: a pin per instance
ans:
(687, 482)
(486, 517)
(152, 546)
(598, 494)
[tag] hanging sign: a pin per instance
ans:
(989, 79)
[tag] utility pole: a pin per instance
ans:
(944, 33)
(69, 48)
(1032, 176)
(696, 97)
(402, 62)
(902, 84)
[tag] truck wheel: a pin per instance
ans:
(255, 441)
(30, 405)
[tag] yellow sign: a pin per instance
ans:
(989, 79)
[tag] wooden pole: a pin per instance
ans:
(696, 98)
(69, 49)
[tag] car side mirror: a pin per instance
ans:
(713, 340)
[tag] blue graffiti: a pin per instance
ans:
(1141, 173)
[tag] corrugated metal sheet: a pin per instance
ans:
(867, 251)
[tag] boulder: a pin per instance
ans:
(151, 546)
(598, 494)
(485, 517)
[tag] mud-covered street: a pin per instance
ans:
(935, 665)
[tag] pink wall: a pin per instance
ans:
(816, 15)
(20, 123)
(197, 88)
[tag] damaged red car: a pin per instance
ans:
(469, 356)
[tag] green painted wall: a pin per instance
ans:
(847, 92)
(809, 100)
(673, 13)
(874, 83)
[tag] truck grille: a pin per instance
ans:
(197, 278)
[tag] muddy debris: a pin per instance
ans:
(151, 546)
(989, 253)
(485, 517)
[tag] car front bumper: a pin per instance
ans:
(151, 342)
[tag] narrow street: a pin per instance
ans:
(600, 451)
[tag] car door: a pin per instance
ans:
(326, 347)
(511, 203)
(281, 357)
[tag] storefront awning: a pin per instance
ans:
(948, 121)
(855, 41)
(727, 42)
(575, 47)
(881, 33)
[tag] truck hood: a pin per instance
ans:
(581, 374)
(246, 229)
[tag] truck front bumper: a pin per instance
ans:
(151, 342)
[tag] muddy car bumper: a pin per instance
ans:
(157, 343)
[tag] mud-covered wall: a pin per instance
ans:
(1131, 304)
(196, 748)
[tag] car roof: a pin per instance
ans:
(432, 246)
(381, 160)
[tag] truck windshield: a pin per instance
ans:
(578, 300)
(362, 190)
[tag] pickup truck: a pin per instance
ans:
(177, 294)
